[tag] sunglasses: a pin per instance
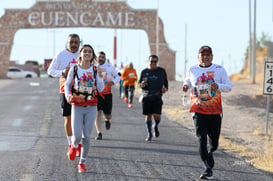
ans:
(153, 61)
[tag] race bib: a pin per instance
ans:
(203, 91)
(131, 75)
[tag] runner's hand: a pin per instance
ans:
(185, 88)
(214, 87)
(164, 89)
(65, 72)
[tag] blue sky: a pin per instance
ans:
(222, 24)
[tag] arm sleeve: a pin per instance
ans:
(115, 76)
(140, 80)
(187, 79)
(225, 85)
(136, 75)
(122, 76)
(53, 68)
(166, 84)
(67, 88)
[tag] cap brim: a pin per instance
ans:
(206, 49)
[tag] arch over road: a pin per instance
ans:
(84, 13)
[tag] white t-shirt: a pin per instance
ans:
(109, 73)
(84, 82)
(60, 62)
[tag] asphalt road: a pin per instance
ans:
(33, 144)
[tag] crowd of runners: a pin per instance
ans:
(86, 82)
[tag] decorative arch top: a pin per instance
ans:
(84, 13)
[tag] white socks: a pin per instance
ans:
(69, 139)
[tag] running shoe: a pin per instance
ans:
(130, 105)
(122, 96)
(79, 150)
(107, 125)
(207, 175)
(72, 153)
(149, 137)
(99, 137)
(126, 99)
(81, 168)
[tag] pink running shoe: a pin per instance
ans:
(72, 153)
(79, 150)
(130, 105)
(125, 99)
(81, 168)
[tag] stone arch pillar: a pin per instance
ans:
(6, 40)
(165, 54)
(83, 13)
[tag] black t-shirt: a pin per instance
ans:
(155, 81)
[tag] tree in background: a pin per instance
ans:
(261, 43)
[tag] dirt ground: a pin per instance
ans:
(244, 108)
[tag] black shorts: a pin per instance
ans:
(66, 107)
(152, 107)
(106, 104)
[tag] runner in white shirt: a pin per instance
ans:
(59, 67)
(206, 82)
(110, 77)
(83, 85)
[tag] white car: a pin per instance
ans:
(15, 72)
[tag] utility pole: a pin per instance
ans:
(115, 47)
(54, 42)
(254, 46)
(185, 64)
(53, 31)
(250, 59)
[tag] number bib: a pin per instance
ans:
(204, 91)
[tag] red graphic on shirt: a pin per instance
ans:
(203, 99)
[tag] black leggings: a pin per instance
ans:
(129, 93)
(207, 126)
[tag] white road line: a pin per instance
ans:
(17, 122)
(27, 108)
